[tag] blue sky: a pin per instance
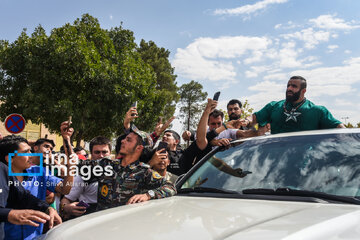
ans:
(247, 49)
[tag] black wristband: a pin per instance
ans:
(224, 125)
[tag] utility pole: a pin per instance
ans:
(345, 118)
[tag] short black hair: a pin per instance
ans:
(234, 101)
(303, 81)
(43, 140)
(77, 149)
(99, 140)
(175, 134)
(9, 144)
(216, 113)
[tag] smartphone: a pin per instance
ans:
(216, 96)
(134, 105)
(162, 145)
(83, 204)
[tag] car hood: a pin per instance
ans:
(183, 217)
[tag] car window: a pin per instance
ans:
(322, 163)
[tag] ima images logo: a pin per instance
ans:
(11, 155)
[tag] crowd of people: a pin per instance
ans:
(33, 200)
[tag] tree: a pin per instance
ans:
(158, 59)
(247, 110)
(80, 70)
(191, 96)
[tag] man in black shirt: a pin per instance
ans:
(173, 152)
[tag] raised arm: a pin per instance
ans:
(130, 115)
(201, 140)
(64, 187)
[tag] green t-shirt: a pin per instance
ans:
(311, 117)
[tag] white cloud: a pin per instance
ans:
(267, 91)
(251, 74)
(332, 48)
(329, 90)
(276, 76)
(343, 102)
(211, 58)
(326, 76)
(288, 25)
(256, 57)
(347, 51)
(309, 36)
(330, 22)
(352, 61)
(248, 9)
(278, 26)
(111, 17)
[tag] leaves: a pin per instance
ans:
(83, 71)
(191, 96)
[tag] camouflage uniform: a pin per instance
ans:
(136, 178)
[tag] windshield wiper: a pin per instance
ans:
(301, 193)
(205, 190)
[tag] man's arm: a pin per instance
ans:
(341, 125)
(201, 140)
(251, 132)
(130, 115)
(64, 187)
(250, 121)
(22, 199)
(157, 184)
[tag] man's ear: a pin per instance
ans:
(140, 147)
(303, 91)
(177, 142)
(7, 159)
(36, 148)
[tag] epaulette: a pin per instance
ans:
(141, 164)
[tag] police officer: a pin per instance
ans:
(132, 181)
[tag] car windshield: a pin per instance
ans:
(321, 163)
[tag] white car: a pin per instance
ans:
(302, 185)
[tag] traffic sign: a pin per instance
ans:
(15, 123)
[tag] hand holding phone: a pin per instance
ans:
(134, 105)
(162, 145)
(83, 204)
(216, 96)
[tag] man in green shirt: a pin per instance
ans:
(295, 113)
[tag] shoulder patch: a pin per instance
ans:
(156, 175)
(104, 190)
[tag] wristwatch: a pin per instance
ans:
(151, 194)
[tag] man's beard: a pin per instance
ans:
(294, 97)
(129, 152)
(234, 116)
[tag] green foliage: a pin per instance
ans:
(349, 125)
(158, 59)
(246, 109)
(80, 70)
(191, 96)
